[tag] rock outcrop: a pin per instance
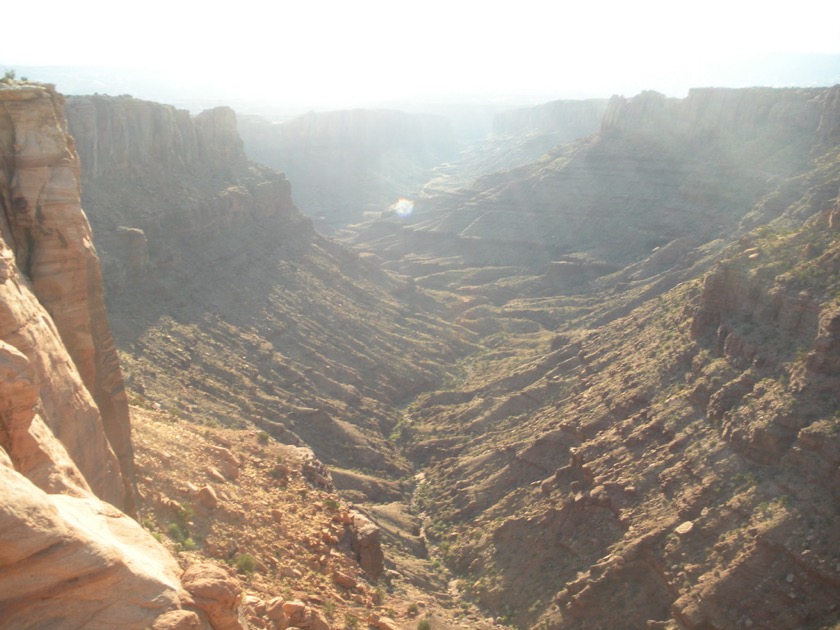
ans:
(169, 181)
(77, 562)
(48, 237)
(367, 545)
(68, 559)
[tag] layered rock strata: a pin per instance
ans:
(68, 559)
(162, 181)
(49, 255)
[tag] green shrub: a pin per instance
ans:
(424, 624)
(245, 563)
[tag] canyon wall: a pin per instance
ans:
(163, 182)
(745, 111)
(229, 307)
(566, 119)
(660, 169)
(347, 163)
(50, 256)
(67, 558)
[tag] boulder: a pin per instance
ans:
(367, 545)
(216, 593)
(177, 620)
(206, 498)
(71, 561)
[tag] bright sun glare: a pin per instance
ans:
(403, 207)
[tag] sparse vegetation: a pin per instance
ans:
(245, 563)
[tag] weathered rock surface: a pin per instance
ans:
(367, 545)
(49, 236)
(160, 181)
(216, 593)
(67, 558)
(77, 562)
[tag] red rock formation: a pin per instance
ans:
(366, 542)
(47, 232)
(74, 561)
(67, 558)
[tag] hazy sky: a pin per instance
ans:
(369, 50)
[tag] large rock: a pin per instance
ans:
(216, 593)
(367, 545)
(76, 562)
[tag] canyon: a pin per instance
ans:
(590, 381)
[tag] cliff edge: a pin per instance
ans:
(67, 558)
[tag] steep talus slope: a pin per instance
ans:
(660, 450)
(238, 312)
(346, 163)
(67, 558)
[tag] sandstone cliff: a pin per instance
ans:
(67, 559)
(166, 182)
(52, 248)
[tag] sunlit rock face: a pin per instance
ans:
(52, 267)
(74, 561)
(68, 557)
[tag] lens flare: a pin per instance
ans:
(403, 207)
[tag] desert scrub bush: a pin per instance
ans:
(424, 624)
(262, 438)
(179, 533)
(10, 77)
(245, 563)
